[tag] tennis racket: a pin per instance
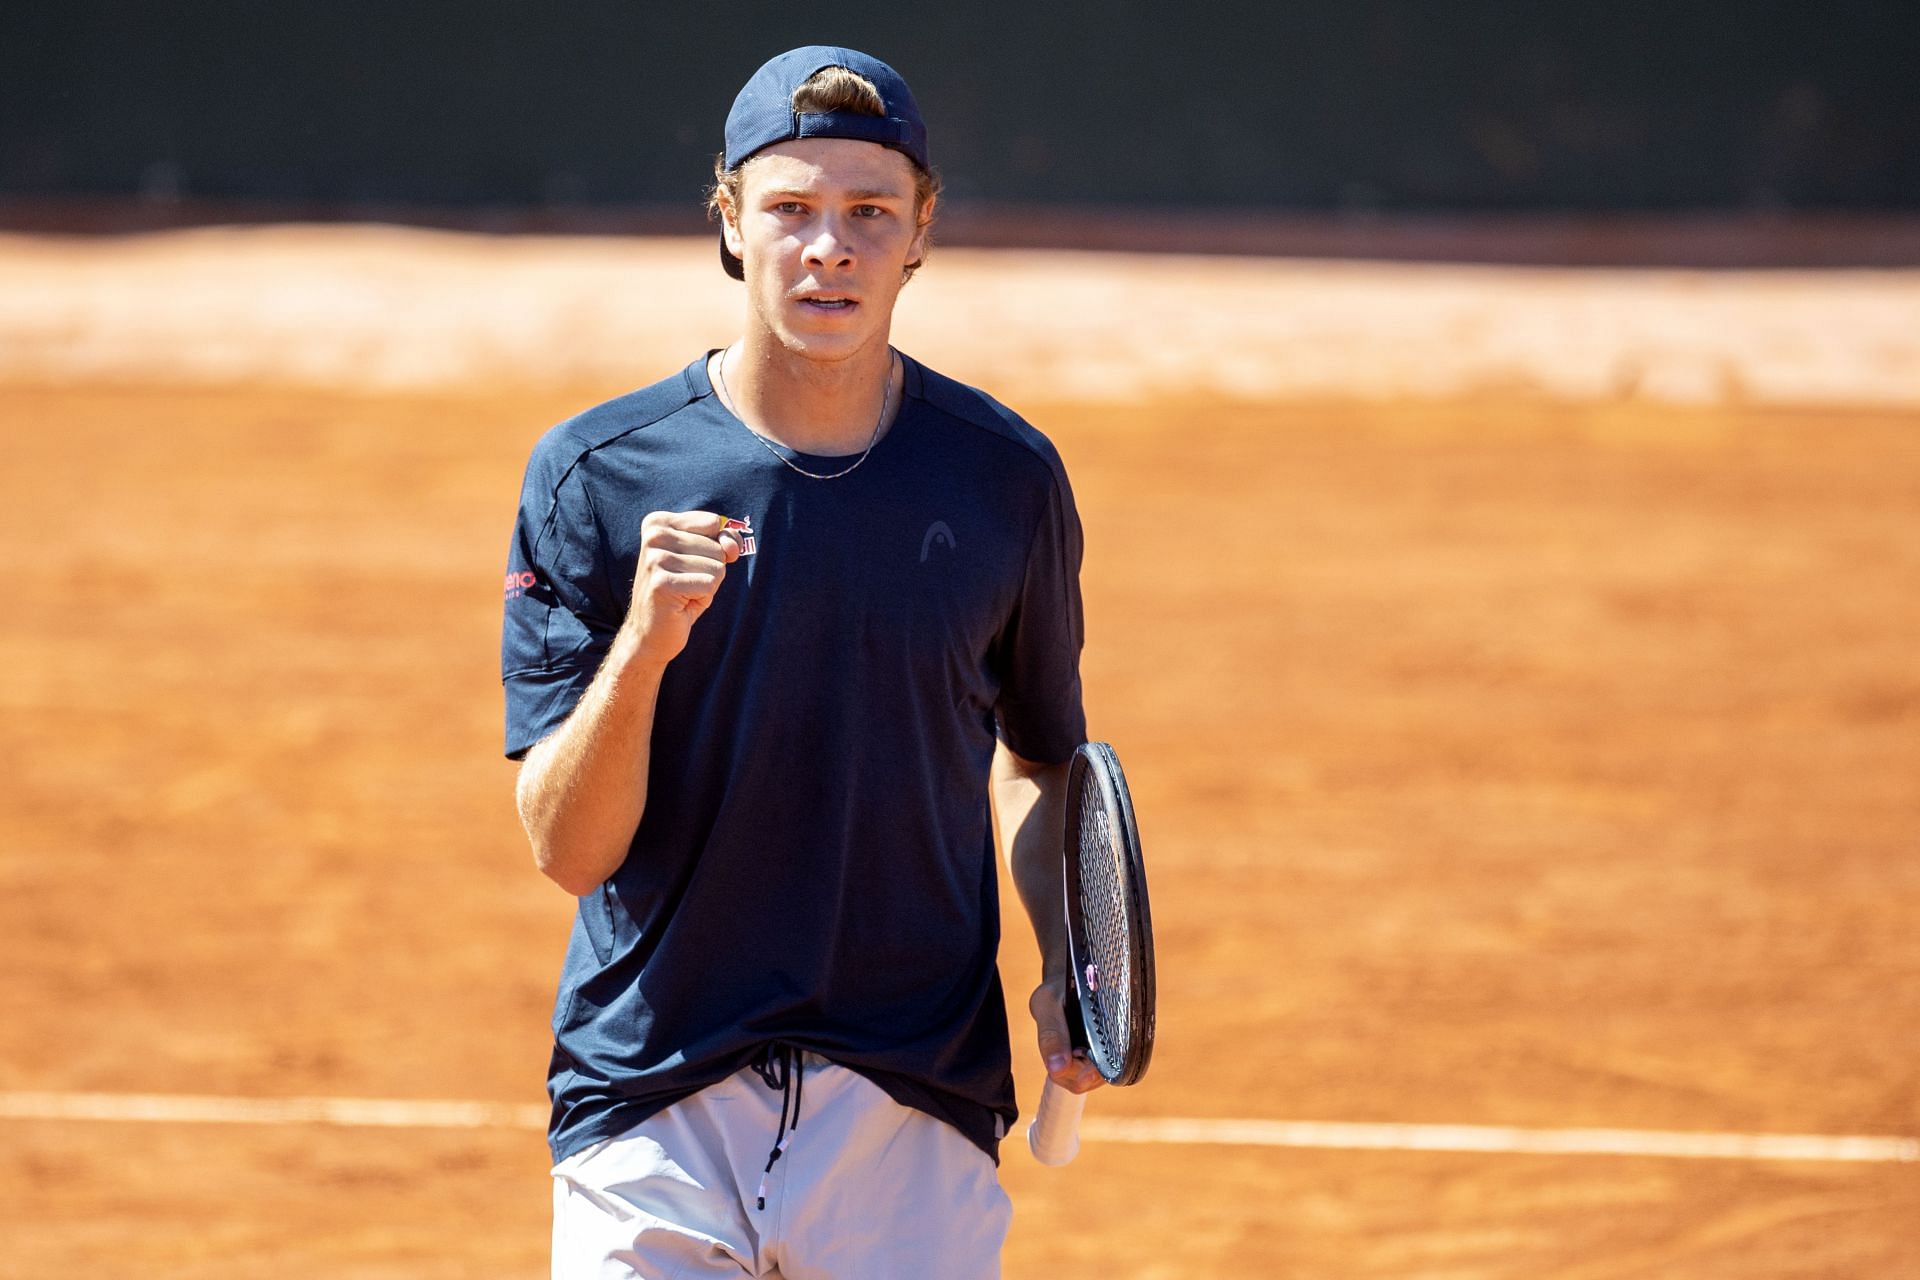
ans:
(1109, 940)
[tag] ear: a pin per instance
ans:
(918, 249)
(730, 226)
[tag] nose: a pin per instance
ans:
(828, 247)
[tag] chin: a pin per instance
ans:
(831, 346)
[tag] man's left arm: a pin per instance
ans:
(1029, 802)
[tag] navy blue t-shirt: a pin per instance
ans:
(815, 865)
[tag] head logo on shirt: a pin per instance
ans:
(938, 534)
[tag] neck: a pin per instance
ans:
(809, 405)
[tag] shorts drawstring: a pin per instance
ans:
(780, 1067)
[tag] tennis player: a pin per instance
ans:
(776, 628)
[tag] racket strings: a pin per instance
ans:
(1104, 907)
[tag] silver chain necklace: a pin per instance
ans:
(886, 402)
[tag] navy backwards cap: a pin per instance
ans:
(763, 114)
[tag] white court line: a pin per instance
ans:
(174, 1108)
(1485, 1139)
(1505, 1141)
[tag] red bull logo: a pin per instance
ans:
(742, 530)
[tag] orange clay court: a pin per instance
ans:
(1518, 675)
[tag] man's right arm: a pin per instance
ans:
(582, 790)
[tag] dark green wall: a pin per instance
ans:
(1495, 104)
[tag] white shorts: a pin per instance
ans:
(866, 1190)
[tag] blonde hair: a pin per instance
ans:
(832, 89)
(838, 89)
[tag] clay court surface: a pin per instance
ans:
(1510, 752)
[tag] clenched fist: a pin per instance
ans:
(1068, 1067)
(683, 560)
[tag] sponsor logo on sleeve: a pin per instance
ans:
(518, 584)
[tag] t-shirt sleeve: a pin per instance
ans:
(1039, 714)
(559, 618)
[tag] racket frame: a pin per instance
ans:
(1099, 760)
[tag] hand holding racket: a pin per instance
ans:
(1109, 942)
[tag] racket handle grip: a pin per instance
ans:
(1054, 1135)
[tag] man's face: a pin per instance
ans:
(825, 229)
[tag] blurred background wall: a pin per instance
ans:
(1359, 106)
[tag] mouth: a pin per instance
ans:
(827, 303)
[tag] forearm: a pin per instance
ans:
(582, 791)
(1029, 807)
(1029, 802)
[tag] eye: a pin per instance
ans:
(789, 207)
